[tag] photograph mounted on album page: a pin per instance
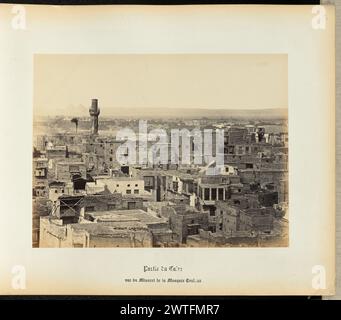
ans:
(168, 150)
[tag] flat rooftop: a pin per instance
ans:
(136, 215)
(64, 163)
(117, 178)
(110, 228)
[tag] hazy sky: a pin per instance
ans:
(65, 84)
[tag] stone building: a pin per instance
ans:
(252, 220)
(40, 173)
(41, 207)
(72, 208)
(123, 185)
(106, 229)
(185, 220)
(59, 188)
(210, 190)
(66, 170)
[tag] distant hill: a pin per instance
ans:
(186, 113)
(183, 113)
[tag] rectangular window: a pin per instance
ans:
(128, 191)
(136, 191)
(207, 194)
(220, 194)
(40, 173)
(227, 194)
(74, 168)
(131, 205)
(192, 230)
(214, 194)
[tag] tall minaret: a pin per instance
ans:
(94, 113)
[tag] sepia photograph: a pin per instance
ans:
(183, 150)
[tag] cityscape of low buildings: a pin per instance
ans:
(83, 196)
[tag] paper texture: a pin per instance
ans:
(279, 57)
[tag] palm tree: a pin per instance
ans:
(75, 121)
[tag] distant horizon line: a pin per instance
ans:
(143, 110)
